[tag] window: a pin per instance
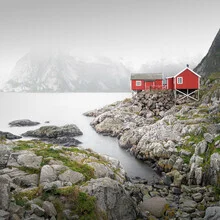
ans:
(138, 83)
(179, 80)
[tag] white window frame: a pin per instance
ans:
(138, 83)
(179, 80)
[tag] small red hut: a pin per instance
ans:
(186, 79)
(146, 81)
(186, 82)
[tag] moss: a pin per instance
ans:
(182, 117)
(29, 170)
(22, 198)
(186, 159)
(82, 204)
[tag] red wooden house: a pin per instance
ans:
(146, 81)
(186, 79)
(186, 82)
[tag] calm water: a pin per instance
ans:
(67, 108)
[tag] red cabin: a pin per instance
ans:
(187, 79)
(146, 81)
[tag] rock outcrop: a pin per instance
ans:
(210, 63)
(111, 199)
(23, 123)
(8, 135)
(63, 135)
(40, 181)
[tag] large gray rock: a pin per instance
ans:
(101, 170)
(29, 160)
(5, 193)
(110, 126)
(4, 155)
(23, 123)
(71, 176)
(188, 206)
(54, 131)
(156, 206)
(212, 213)
(201, 147)
(208, 137)
(37, 210)
(8, 135)
(47, 175)
(49, 209)
(63, 135)
(4, 215)
(27, 180)
(111, 198)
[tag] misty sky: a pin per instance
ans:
(135, 30)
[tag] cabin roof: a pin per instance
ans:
(146, 76)
(174, 76)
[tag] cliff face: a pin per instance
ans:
(211, 62)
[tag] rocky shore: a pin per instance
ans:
(45, 181)
(180, 140)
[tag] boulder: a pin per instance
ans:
(49, 208)
(197, 197)
(47, 175)
(54, 132)
(188, 206)
(5, 193)
(156, 206)
(201, 147)
(209, 137)
(110, 126)
(63, 135)
(212, 213)
(101, 170)
(23, 123)
(4, 215)
(71, 176)
(111, 198)
(8, 135)
(29, 160)
(37, 210)
(27, 180)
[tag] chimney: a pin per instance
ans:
(187, 65)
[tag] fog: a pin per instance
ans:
(133, 31)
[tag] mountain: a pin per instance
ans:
(57, 71)
(211, 62)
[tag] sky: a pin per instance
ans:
(135, 31)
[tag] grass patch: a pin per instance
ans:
(82, 204)
(85, 169)
(182, 117)
(22, 198)
(29, 170)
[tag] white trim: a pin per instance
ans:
(180, 78)
(138, 82)
(169, 77)
(186, 69)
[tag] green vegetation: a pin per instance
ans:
(79, 202)
(45, 150)
(182, 117)
(29, 170)
(23, 197)
(85, 169)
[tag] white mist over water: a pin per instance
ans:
(68, 108)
